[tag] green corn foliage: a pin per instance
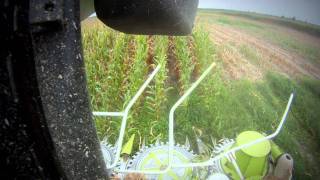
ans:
(136, 77)
(186, 116)
(115, 74)
(155, 103)
(138, 69)
(186, 66)
(96, 61)
(203, 47)
(212, 88)
(116, 66)
(200, 109)
(97, 44)
(161, 44)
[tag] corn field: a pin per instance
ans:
(117, 65)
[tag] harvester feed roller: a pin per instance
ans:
(155, 157)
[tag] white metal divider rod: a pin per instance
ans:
(171, 127)
(125, 115)
(113, 114)
(233, 150)
(177, 104)
(142, 88)
(235, 165)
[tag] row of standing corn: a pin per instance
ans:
(117, 65)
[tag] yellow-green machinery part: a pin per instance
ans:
(127, 148)
(276, 151)
(252, 161)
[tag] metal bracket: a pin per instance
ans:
(45, 15)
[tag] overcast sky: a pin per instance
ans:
(305, 10)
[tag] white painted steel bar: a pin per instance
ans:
(235, 165)
(112, 114)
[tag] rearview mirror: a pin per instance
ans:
(163, 17)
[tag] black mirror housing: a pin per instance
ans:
(149, 17)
